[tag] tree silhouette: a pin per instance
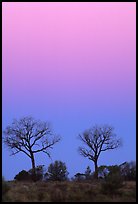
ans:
(29, 136)
(98, 139)
(57, 171)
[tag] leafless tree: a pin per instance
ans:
(29, 136)
(98, 139)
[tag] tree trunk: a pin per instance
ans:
(96, 170)
(33, 167)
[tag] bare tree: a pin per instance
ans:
(30, 137)
(98, 139)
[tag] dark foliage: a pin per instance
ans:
(39, 170)
(23, 176)
(79, 177)
(128, 171)
(57, 171)
(113, 180)
(28, 175)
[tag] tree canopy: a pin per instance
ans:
(30, 136)
(97, 140)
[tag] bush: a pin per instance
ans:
(28, 175)
(103, 171)
(128, 171)
(79, 177)
(22, 176)
(39, 170)
(112, 183)
(57, 172)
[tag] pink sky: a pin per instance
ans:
(73, 46)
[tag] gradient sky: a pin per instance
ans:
(74, 65)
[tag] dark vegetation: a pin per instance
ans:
(115, 183)
(57, 171)
(106, 184)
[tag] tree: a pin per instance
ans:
(57, 171)
(30, 137)
(98, 139)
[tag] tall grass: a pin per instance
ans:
(66, 192)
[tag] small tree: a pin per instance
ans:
(57, 171)
(98, 139)
(30, 137)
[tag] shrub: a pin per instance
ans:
(39, 170)
(57, 172)
(28, 175)
(112, 183)
(128, 171)
(79, 177)
(103, 171)
(22, 176)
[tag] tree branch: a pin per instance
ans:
(98, 139)
(84, 152)
(46, 147)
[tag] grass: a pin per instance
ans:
(67, 192)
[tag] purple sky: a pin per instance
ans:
(74, 65)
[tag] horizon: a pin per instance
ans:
(73, 65)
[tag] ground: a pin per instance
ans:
(67, 192)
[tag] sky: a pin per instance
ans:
(72, 64)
